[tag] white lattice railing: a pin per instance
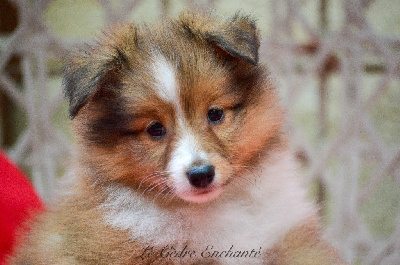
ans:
(339, 81)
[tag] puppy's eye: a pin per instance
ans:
(215, 114)
(156, 130)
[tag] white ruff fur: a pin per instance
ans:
(246, 215)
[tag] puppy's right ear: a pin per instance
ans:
(97, 66)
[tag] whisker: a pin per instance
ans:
(245, 180)
(152, 186)
(171, 198)
(166, 187)
(153, 175)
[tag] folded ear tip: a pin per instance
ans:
(71, 115)
(254, 60)
(73, 110)
(251, 58)
(238, 36)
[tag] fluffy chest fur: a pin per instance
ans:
(257, 217)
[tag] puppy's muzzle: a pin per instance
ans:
(200, 176)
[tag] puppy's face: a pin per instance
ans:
(181, 109)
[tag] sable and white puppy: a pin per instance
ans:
(181, 157)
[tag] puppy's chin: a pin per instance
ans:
(200, 195)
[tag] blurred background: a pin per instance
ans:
(337, 66)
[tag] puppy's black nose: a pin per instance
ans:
(201, 176)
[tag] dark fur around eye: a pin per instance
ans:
(112, 122)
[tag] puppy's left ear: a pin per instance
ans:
(238, 36)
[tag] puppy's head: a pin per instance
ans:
(179, 109)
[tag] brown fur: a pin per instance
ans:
(304, 245)
(112, 101)
(67, 236)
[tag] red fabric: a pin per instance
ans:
(17, 201)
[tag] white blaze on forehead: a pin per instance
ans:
(166, 87)
(165, 79)
(188, 149)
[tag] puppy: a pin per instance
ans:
(181, 157)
